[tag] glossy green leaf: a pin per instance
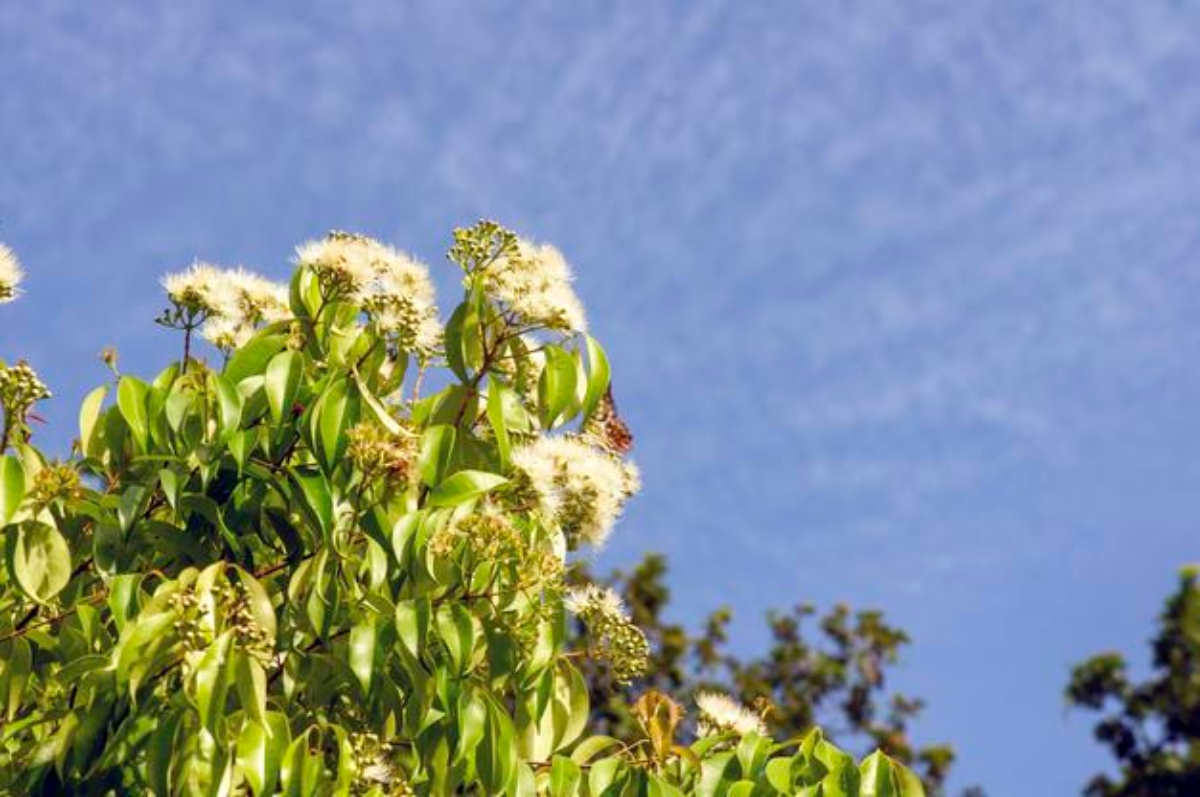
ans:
(132, 394)
(229, 406)
(472, 724)
(252, 359)
(250, 681)
(260, 749)
(437, 451)
(363, 639)
(283, 375)
(457, 631)
(17, 670)
(598, 375)
(497, 391)
(335, 411)
(12, 486)
(89, 416)
(463, 486)
(39, 560)
(565, 776)
(211, 681)
(556, 386)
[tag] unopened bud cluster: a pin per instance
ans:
(476, 246)
(377, 454)
(233, 601)
(613, 637)
(57, 481)
(374, 772)
(491, 537)
(248, 634)
(20, 387)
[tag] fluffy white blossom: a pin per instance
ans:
(247, 296)
(341, 261)
(611, 635)
(400, 298)
(232, 302)
(393, 289)
(535, 283)
(198, 290)
(722, 714)
(581, 489)
(10, 274)
(226, 332)
(594, 599)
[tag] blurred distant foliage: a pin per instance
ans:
(825, 670)
(1152, 726)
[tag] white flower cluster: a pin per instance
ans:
(722, 714)
(534, 282)
(612, 636)
(232, 301)
(10, 274)
(393, 289)
(594, 599)
(581, 489)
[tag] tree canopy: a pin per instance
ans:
(1152, 726)
(336, 555)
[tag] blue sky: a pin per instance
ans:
(902, 298)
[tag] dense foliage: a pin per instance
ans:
(829, 670)
(294, 573)
(1152, 728)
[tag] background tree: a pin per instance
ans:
(1151, 727)
(825, 670)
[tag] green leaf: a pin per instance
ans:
(160, 752)
(463, 486)
(779, 774)
(89, 415)
(38, 559)
(251, 682)
(556, 385)
(412, 624)
(12, 487)
(602, 775)
(131, 400)
(335, 411)
(437, 449)
(252, 359)
(315, 491)
(16, 672)
(457, 630)
(260, 750)
(283, 375)
(883, 777)
(495, 413)
(564, 777)
(591, 747)
(363, 638)
(573, 699)
(212, 681)
(261, 608)
(472, 723)
(229, 406)
(461, 319)
(377, 408)
(598, 375)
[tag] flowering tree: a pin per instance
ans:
(295, 573)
